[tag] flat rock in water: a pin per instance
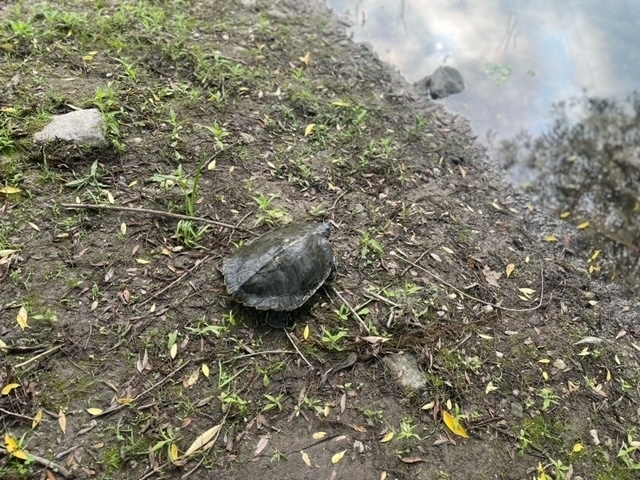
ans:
(404, 368)
(83, 127)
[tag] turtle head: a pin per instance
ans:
(324, 229)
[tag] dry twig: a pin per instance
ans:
(403, 256)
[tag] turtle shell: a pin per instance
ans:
(281, 269)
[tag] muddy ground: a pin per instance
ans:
(123, 356)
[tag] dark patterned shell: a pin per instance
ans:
(282, 269)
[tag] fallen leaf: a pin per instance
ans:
(577, 447)
(142, 261)
(205, 370)
(94, 411)
(22, 318)
(583, 225)
(305, 333)
(491, 276)
(309, 129)
(9, 190)
(212, 165)
(490, 388)
(174, 453)
(454, 424)
(338, 456)
(387, 438)
(37, 419)
(305, 458)
(428, 406)
(414, 459)
(306, 59)
(550, 238)
(319, 435)
(204, 441)
(8, 388)
(13, 447)
(262, 444)
(174, 350)
(565, 214)
(510, 268)
(123, 228)
(62, 421)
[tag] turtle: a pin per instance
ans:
(280, 270)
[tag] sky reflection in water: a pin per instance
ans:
(517, 57)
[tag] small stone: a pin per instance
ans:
(404, 368)
(516, 410)
(443, 82)
(83, 127)
(559, 364)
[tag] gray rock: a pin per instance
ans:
(83, 127)
(404, 368)
(444, 81)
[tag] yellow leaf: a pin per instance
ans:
(577, 447)
(212, 165)
(496, 206)
(7, 389)
(510, 268)
(123, 228)
(387, 438)
(309, 130)
(454, 424)
(544, 360)
(7, 252)
(545, 375)
(306, 59)
(583, 225)
(305, 458)
(14, 448)
(110, 198)
(565, 214)
(174, 350)
(94, 411)
(9, 190)
(550, 238)
(341, 103)
(305, 334)
(338, 456)
(87, 58)
(124, 401)
(37, 419)
(319, 435)
(608, 375)
(173, 452)
(204, 441)
(22, 318)
(595, 256)
(142, 261)
(62, 421)
(205, 370)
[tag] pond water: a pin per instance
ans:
(549, 90)
(517, 57)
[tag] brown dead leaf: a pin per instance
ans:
(204, 441)
(491, 276)
(413, 459)
(262, 444)
(62, 421)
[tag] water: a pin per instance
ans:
(549, 89)
(517, 57)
